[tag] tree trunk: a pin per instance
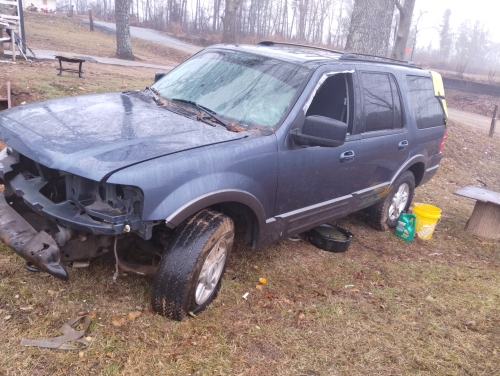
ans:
(370, 28)
(229, 22)
(91, 21)
(405, 16)
(485, 221)
(123, 41)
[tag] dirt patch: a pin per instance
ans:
(475, 103)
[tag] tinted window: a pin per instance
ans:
(427, 109)
(382, 104)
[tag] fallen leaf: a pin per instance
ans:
(192, 314)
(430, 298)
(269, 295)
(256, 267)
(262, 281)
(8, 317)
(28, 308)
(117, 321)
(80, 354)
(110, 355)
(51, 292)
(258, 287)
(92, 314)
(133, 315)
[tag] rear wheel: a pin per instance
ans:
(190, 271)
(384, 215)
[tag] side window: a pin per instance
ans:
(382, 108)
(333, 99)
(428, 111)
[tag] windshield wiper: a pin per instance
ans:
(209, 112)
(156, 95)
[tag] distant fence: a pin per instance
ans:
(471, 87)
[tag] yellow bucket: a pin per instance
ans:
(427, 218)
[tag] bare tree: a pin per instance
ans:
(445, 36)
(405, 16)
(123, 41)
(229, 31)
(370, 28)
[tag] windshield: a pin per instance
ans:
(246, 89)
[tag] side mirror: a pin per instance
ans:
(159, 76)
(320, 131)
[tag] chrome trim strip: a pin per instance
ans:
(315, 206)
(432, 168)
(371, 188)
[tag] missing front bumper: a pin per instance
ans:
(39, 249)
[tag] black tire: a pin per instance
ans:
(177, 278)
(379, 214)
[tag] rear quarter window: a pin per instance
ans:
(426, 107)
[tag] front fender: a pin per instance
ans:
(212, 198)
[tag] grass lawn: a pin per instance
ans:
(425, 308)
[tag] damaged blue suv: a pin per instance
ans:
(274, 137)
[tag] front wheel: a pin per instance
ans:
(190, 272)
(384, 215)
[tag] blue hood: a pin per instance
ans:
(94, 135)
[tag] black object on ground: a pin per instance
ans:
(330, 238)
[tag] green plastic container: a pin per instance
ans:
(405, 229)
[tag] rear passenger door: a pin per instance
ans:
(386, 141)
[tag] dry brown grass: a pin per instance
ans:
(38, 80)
(60, 33)
(408, 312)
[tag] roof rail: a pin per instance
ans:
(272, 43)
(354, 55)
(347, 55)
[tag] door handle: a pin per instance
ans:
(403, 145)
(347, 156)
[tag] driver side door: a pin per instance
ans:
(315, 183)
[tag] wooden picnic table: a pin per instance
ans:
(485, 219)
(70, 59)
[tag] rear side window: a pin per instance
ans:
(382, 103)
(426, 107)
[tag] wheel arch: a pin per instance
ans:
(418, 170)
(234, 203)
(416, 165)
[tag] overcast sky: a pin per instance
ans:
(486, 11)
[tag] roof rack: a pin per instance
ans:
(354, 55)
(347, 55)
(272, 43)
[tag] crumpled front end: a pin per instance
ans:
(39, 249)
(52, 218)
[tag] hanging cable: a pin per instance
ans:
(117, 273)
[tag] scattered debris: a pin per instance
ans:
(245, 295)
(435, 254)
(117, 321)
(135, 314)
(262, 281)
(69, 335)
